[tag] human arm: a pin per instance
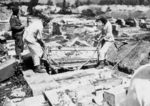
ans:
(16, 24)
(40, 38)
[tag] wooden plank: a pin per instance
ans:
(74, 49)
(76, 73)
(7, 69)
(76, 65)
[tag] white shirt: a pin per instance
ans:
(33, 32)
(107, 32)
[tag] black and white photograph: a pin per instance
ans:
(74, 52)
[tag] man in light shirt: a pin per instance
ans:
(106, 38)
(33, 39)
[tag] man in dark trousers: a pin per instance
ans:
(17, 32)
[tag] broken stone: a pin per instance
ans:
(58, 97)
(106, 74)
(98, 99)
(8, 102)
(33, 101)
(18, 93)
(115, 96)
(39, 82)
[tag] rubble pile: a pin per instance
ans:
(79, 33)
(129, 56)
(69, 88)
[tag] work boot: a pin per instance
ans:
(38, 69)
(19, 58)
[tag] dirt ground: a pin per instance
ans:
(15, 88)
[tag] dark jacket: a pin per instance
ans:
(17, 33)
(16, 26)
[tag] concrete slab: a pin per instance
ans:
(76, 80)
(39, 82)
(115, 96)
(34, 101)
(7, 69)
(58, 97)
(8, 102)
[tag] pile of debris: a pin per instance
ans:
(69, 88)
(73, 36)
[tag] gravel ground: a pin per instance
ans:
(15, 88)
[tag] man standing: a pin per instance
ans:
(105, 39)
(33, 39)
(17, 32)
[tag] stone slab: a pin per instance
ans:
(39, 82)
(115, 96)
(34, 101)
(58, 97)
(7, 69)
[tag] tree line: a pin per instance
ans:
(121, 2)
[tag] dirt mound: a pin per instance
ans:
(131, 55)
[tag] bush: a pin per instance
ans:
(98, 11)
(88, 13)
(49, 2)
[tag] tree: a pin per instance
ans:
(88, 2)
(77, 3)
(32, 4)
(49, 2)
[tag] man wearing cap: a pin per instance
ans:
(106, 38)
(33, 39)
(17, 32)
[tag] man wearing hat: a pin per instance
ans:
(17, 32)
(106, 38)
